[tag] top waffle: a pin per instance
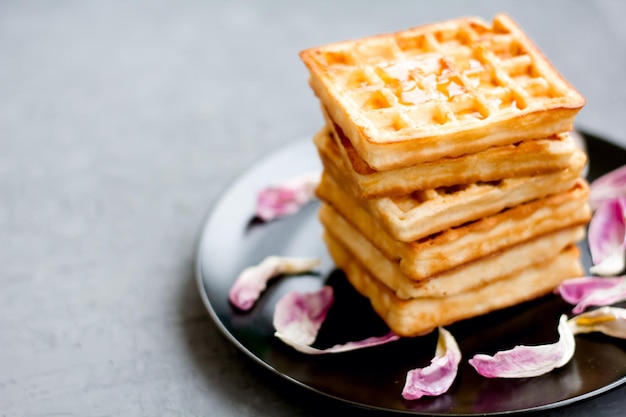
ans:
(440, 90)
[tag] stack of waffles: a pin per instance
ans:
(451, 185)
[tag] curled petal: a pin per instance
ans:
(585, 292)
(287, 197)
(608, 320)
(298, 318)
(608, 187)
(436, 378)
(607, 237)
(528, 361)
(253, 280)
(361, 344)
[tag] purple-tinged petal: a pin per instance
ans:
(286, 198)
(585, 292)
(607, 238)
(253, 280)
(436, 378)
(608, 320)
(608, 187)
(360, 344)
(298, 318)
(528, 361)
(574, 290)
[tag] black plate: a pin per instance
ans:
(373, 378)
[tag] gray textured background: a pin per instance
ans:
(120, 123)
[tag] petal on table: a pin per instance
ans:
(253, 280)
(436, 378)
(528, 361)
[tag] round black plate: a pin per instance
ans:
(373, 378)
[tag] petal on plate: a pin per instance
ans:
(608, 187)
(608, 320)
(286, 198)
(607, 238)
(253, 280)
(436, 378)
(528, 361)
(585, 292)
(574, 290)
(299, 316)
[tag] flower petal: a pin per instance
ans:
(253, 280)
(607, 187)
(298, 318)
(607, 237)
(592, 291)
(287, 197)
(528, 361)
(608, 320)
(436, 378)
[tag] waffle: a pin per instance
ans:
(417, 316)
(521, 159)
(341, 237)
(415, 216)
(440, 90)
(450, 248)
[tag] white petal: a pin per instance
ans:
(253, 280)
(610, 321)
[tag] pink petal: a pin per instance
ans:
(574, 290)
(287, 197)
(607, 237)
(528, 361)
(436, 378)
(253, 280)
(592, 291)
(608, 320)
(298, 318)
(609, 186)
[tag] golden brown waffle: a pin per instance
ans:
(526, 158)
(456, 246)
(417, 215)
(341, 236)
(440, 90)
(417, 316)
